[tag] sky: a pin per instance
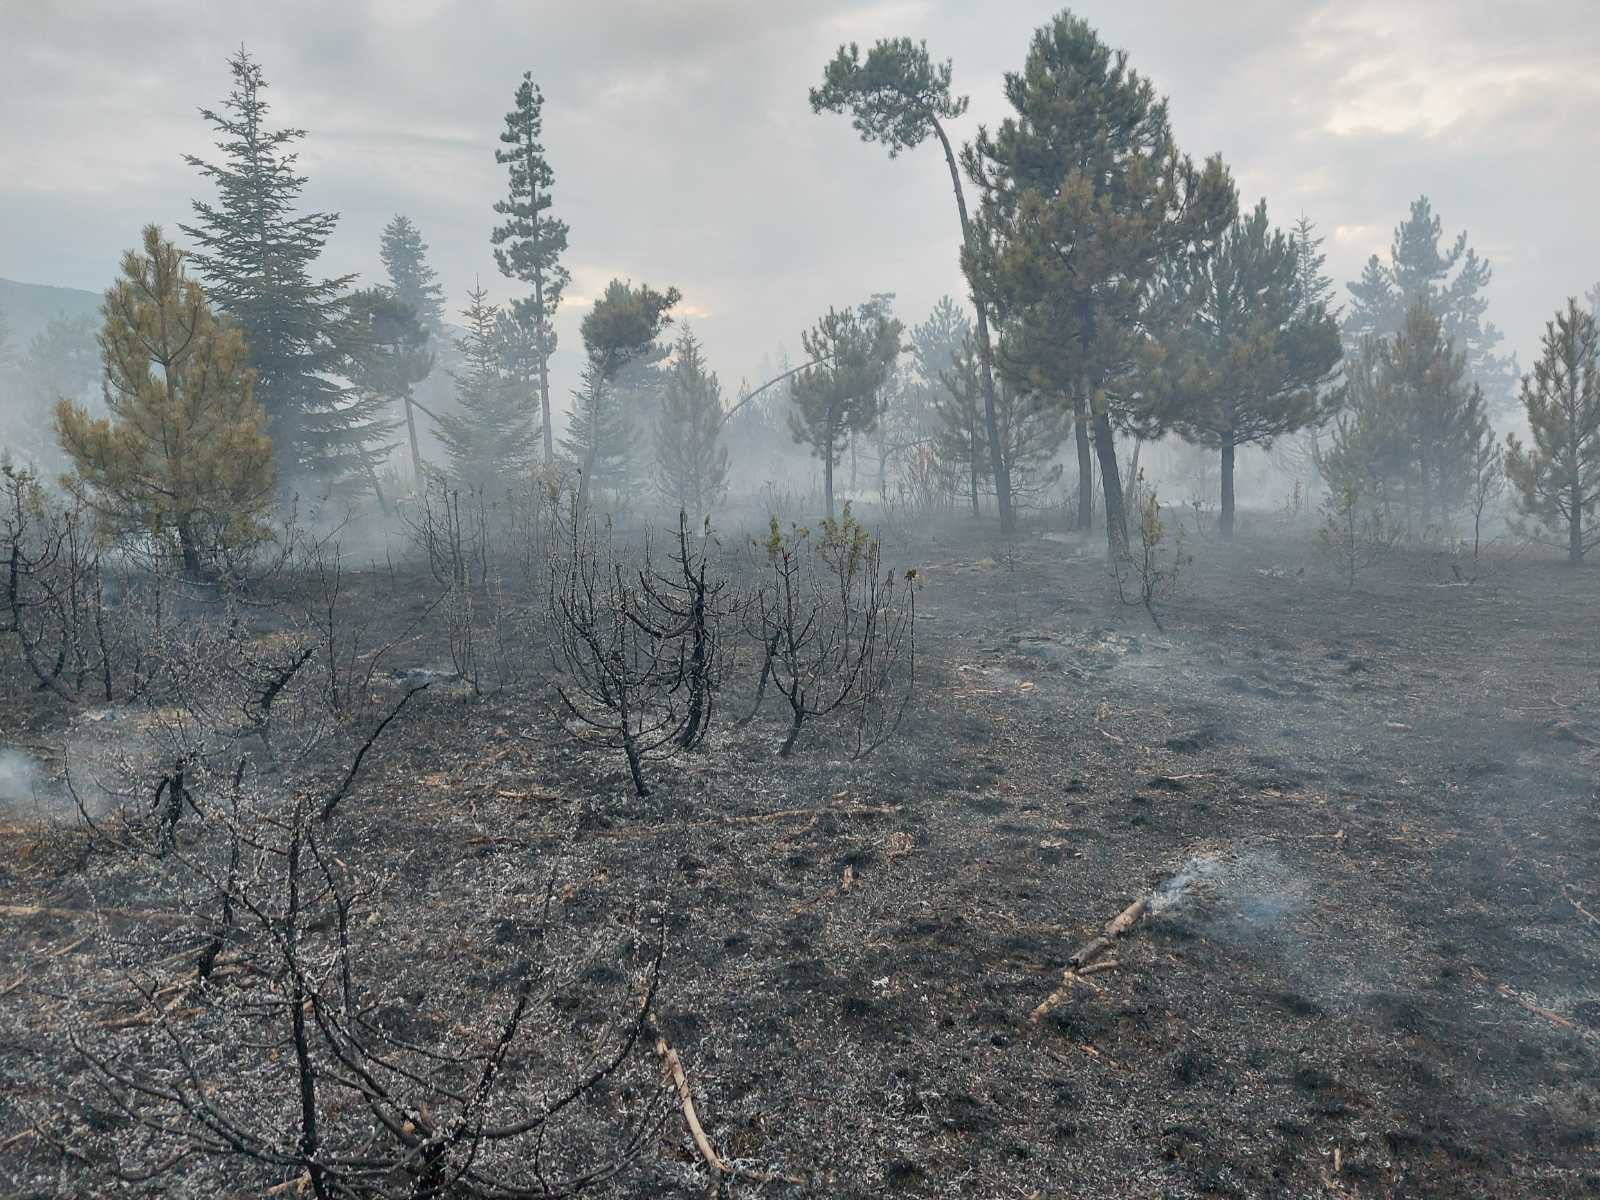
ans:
(686, 153)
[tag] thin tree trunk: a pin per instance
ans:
(1110, 484)
(1225, 524)
(1080, 429)
(1002, 476)
(416, 453)
(1575, 524)
(827, 476)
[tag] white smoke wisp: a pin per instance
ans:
(24, 789)
(1172, 892)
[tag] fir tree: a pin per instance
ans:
(1311, 282)
(411, 280)
(257, 257)
(389, 355)
(1557, 476)
(1450, 280)
(183, 459)
(691, 461)
(1249, 362)
(1086, 198)
(488, 440)
(899, 96)
(529, 244)
(837, 397)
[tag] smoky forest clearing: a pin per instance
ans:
(1112, 714)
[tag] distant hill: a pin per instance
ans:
(29, 307)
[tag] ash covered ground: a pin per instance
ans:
(1367, 823)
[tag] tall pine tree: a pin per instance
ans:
(528, 245)
(1449, 279)
(1557, 477)
(389, 355)
(257, 256)
(488, 440)
(1248, 361)
(1085, 200)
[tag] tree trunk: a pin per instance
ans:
(1225, 524)
(1080, 429)
(1110, 484)
(827, 477)
(1575, 524)
(972, 465)
(1002, 475)
(193, 568)
(416, 454)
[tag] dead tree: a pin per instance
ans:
(625, 672)
(835, 630)
(683, 608)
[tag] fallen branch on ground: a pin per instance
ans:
(680, 1081)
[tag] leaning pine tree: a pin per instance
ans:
(488, 440)
(691, 461)
(257, 256)
(183, 461)
(414, 283)
(1557, 477)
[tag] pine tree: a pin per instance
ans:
(619, 338)
(1414, 422)
(529, 244)
(1249, 362)
(411, 280)
(389, 355)
(488, 440)
(899, 96)
(691, 461)
(183, 459)
(837, 398)
(1557, 477)
(1450, 280)
(257, 256)
(1085, 198)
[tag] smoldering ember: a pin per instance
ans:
(673, 601)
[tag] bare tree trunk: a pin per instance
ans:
(1225, 523)
(416, 453)
(1080, 429)
(1002, 476)
(1575, 523)
(1110, 484)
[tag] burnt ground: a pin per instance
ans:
(1371, 819)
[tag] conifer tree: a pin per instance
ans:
(1085, 199)
(899, 96)
(529, 244)
(488, 440)
(411, 280)
(619, 338)
(1414, 424)
(1311, 281)
(691, 461)
(257, 256)
(837, 398)
(389, 354)
(1449, 279)
(183, 460)
(1557, 477)
(1248, 362)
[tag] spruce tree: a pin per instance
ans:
(388, 346)
(1557, 476)
(529, 244)
(1085, 200)
(257, 256)
(836, 398)
(899, 96)
(183, 461)
(1248, 362)
(411, 280)
(1450, 280)
(691, 462)
(1312, 283)
(488, 440)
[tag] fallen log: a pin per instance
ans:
(1090, 951)
(156, 916)
(1124, 920)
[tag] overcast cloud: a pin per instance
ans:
(686, 154)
